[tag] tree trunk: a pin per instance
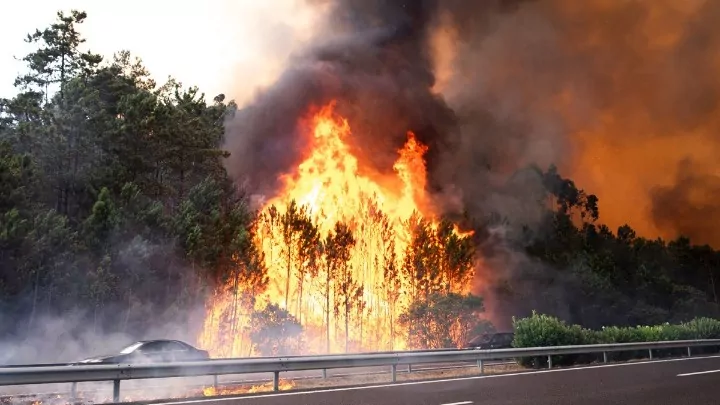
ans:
(347, 321)
(95, 318)
(62, 77)
(287, 279)
(233, 323)
(35, 297)
(327, 311)
(712, 283)
(181, 190)
(300, 297)
(126, 318)
(392, 326)
(360, 315)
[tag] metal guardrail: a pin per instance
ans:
(116, 373)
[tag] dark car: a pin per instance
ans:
(492, 341)
(152, 351)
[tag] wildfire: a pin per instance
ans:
(344, 252)
(283, 385)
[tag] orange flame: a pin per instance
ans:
(283, 385)
(381, 212)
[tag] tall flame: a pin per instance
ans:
(354, 306)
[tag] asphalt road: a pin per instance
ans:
(692, 381)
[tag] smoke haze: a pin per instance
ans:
(622, 96)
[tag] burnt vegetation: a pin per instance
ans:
(116, 207)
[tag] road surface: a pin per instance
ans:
(693, 381)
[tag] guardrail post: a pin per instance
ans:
(409, 368)
(689, 352)
(215, 381)
(604, 357)
(116, 390)
(549, 361)
(324, 373)
(650, 351)
(73, 391)
(393, 372)
(481, 366)
(276, 381)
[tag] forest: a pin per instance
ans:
(116, 207)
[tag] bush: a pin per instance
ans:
(702, 328)
(540, 330)
(544, 330)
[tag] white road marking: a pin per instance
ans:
(459, 403)
(478, 377)
(698, 373)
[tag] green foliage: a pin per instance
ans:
(540, 330)
(18, 179)
(113, 199)
(102, 222)
(543, 330)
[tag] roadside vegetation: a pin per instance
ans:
(544, 330)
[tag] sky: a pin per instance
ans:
(221, 46)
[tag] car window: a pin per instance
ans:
(153, 347)
(175, 346)
(480, 339)
(130, 348)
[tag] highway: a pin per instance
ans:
(675, 381)
(166, 386)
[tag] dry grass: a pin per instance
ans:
(362, 379)
(416, 375)
(285, 384)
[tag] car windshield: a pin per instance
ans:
(130, 348)
(480, 339)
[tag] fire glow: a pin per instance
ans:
(349, 272)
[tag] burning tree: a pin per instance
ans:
(336, 250)
(343, 252)
(442, 320)
(348, 292)
(275, 332)
(391, 274)
(457, 256)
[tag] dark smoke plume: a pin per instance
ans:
(616, 93)
(373, 58)
(694, 196)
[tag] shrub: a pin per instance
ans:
(540, 330)
(544, 330)
(702, 328)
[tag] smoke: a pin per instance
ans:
(616, 94)
(687, 206)
(138, 302)
(396, 66)
(369, 56)
(70, 338)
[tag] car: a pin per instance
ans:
(492, 341)
(151, 351)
